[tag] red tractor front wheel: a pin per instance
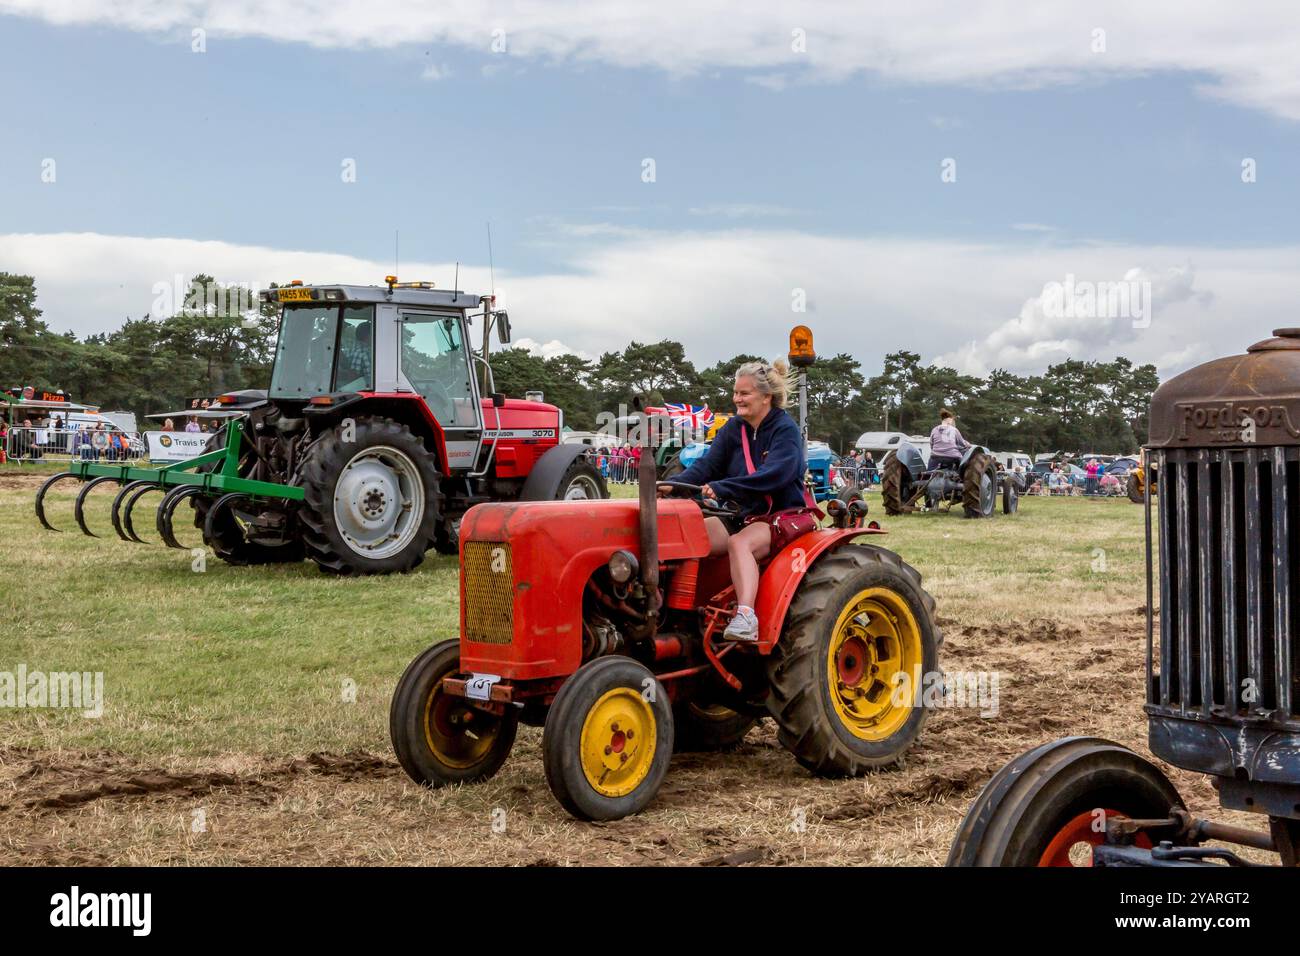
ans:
(1049, 807)
(440, 738)
(608, 739)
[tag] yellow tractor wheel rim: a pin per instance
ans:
(618, 742)
(458, 735)
(875, 639)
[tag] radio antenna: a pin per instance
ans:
(491, 267)
(455, 283)
(397, 255)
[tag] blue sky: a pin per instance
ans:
(1061, 168)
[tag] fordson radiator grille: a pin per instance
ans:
(487, 592)
(1230, 557)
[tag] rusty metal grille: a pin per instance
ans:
(1229, 553)
(487, 592)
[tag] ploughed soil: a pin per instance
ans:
(754, 805)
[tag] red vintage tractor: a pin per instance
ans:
(602, 622)
(382, 426)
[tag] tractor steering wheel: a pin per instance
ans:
(711, 507)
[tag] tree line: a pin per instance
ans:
(157, 363)
(1074, 406)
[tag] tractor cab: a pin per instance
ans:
(403, 338)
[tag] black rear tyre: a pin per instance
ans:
(581, 480)
(1133, 488)
(703, 727)
(979, 484)
(895, 487)
(371, 504)
(1048, 807)
(860, 631)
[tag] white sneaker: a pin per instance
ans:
(743, 627)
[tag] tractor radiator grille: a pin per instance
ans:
(487, 592)
(1229, 554)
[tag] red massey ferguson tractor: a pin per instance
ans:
(380, 429)
(602, 622)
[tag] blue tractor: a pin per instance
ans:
(975, 483)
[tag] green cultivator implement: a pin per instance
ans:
(213, 475)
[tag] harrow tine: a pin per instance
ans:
(40, 497)
(117, 505)
(79, 510)
(167, 511)
(128, 517)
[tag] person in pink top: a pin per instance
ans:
(1090, 485)
(946, 443)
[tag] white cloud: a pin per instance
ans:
(436, 71)
(551, 349)
(740, 210)
(1049, 329)
(1243, 52)
(724, 292)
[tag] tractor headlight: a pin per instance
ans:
(623, 567)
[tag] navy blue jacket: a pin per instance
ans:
(779, 464)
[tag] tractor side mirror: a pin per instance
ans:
(498, 400)
(503, 327)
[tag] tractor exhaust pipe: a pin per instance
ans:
(647, 479)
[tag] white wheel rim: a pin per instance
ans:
(379, 502)
(581, 488)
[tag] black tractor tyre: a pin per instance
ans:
(579, 740)
(555, 479)
(1010, 496)
(323, 468)
(850, 494)
(707, 727)
(446, 540)
(896, 487)
(1133, 488)
(227, 540)
(1056, 796)
(441, 739)
(973, 502)
(809, 722)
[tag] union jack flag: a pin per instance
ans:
(693, 416)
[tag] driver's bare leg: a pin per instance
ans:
(745, 549)
(718, 536)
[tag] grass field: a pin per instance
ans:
(255, 701)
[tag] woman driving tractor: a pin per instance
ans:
(756, 461)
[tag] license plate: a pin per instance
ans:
(479, 686)
(294, 295)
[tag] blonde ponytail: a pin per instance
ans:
(771, 379)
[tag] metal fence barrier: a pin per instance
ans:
(24, 443)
